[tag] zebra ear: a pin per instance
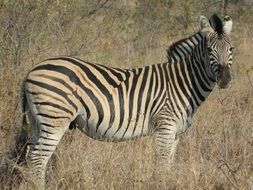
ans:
(227, 24)
(205, 25)
(216, 24)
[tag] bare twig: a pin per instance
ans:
(233, 181)
(250, 82)
(99, 5)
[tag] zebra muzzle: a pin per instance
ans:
(224, 77)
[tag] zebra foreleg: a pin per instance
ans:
(166, 143)
(165, 149)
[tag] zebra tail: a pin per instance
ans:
(22, 134)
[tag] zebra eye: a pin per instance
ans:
(209, 50)
(231, 49)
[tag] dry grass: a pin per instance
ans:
(215, 153)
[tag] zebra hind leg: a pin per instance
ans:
(42, 144)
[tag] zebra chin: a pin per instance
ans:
(223, 85)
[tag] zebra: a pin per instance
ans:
(113, 104)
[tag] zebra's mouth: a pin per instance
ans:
(224, 77)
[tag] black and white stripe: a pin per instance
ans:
(117, 104)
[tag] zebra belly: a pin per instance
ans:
(127, 130)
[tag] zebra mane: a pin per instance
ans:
(174, 46)
(173, 49)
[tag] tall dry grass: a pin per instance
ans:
(215, 153)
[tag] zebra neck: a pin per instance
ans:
(187, 67)
(198, 64)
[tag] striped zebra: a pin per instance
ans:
(112, 104)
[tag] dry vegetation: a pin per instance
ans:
(215, 153)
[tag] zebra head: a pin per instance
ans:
(219, 48)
